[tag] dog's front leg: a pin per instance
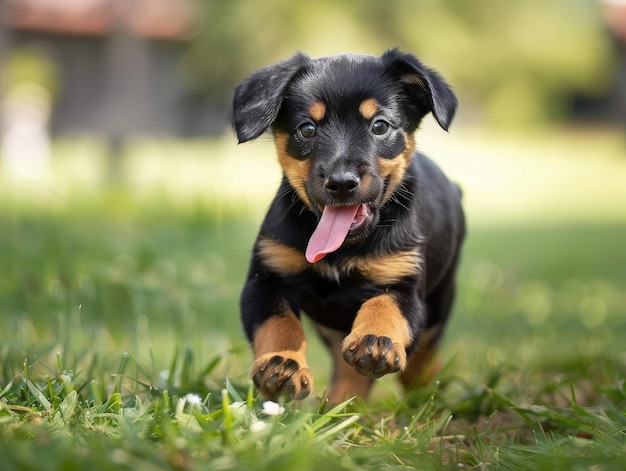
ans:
(380, 336)
(280, 367)
(279, 346)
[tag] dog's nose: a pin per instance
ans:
(342, 184)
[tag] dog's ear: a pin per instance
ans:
(258, 98)
(425, 87)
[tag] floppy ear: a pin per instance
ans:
(258, 98)
(424, 87)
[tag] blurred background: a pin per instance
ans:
(127, 211)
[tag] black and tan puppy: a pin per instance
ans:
(364, 233)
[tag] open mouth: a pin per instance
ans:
(337, 224)
(362, 217)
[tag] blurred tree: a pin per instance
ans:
(234, 37)
(515, 63)
(522, 60)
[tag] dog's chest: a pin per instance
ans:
(379, 269)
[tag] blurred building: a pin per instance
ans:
(117, 65)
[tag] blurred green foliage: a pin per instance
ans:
(515, 63)
(26, 65)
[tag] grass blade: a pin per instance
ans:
(320, 437)
(34, 390)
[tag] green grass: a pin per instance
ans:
(118, 310)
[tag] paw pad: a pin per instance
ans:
(278, 376)
(373, 355)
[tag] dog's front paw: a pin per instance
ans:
(373, 356)
(277, 376)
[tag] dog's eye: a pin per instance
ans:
(307, 130)
(380, 127)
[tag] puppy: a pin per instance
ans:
(363, 235)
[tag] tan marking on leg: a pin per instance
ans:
(381, 316)
(345, 381)
(282, 332)
(280, 367)
(280, 257)
(296, 171)
(424, 363)
(395, 168)
(380, 335)
(317, 111)
(368, 108)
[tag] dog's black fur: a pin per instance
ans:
(344, 128)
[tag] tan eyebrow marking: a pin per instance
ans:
(317, 111)
(368, 108)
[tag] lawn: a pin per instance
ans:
(120, 345)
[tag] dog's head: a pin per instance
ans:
(343, 127)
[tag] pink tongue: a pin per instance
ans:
(331, 231)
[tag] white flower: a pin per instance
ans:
(193, 399)
(257, 427)
(272, 408)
